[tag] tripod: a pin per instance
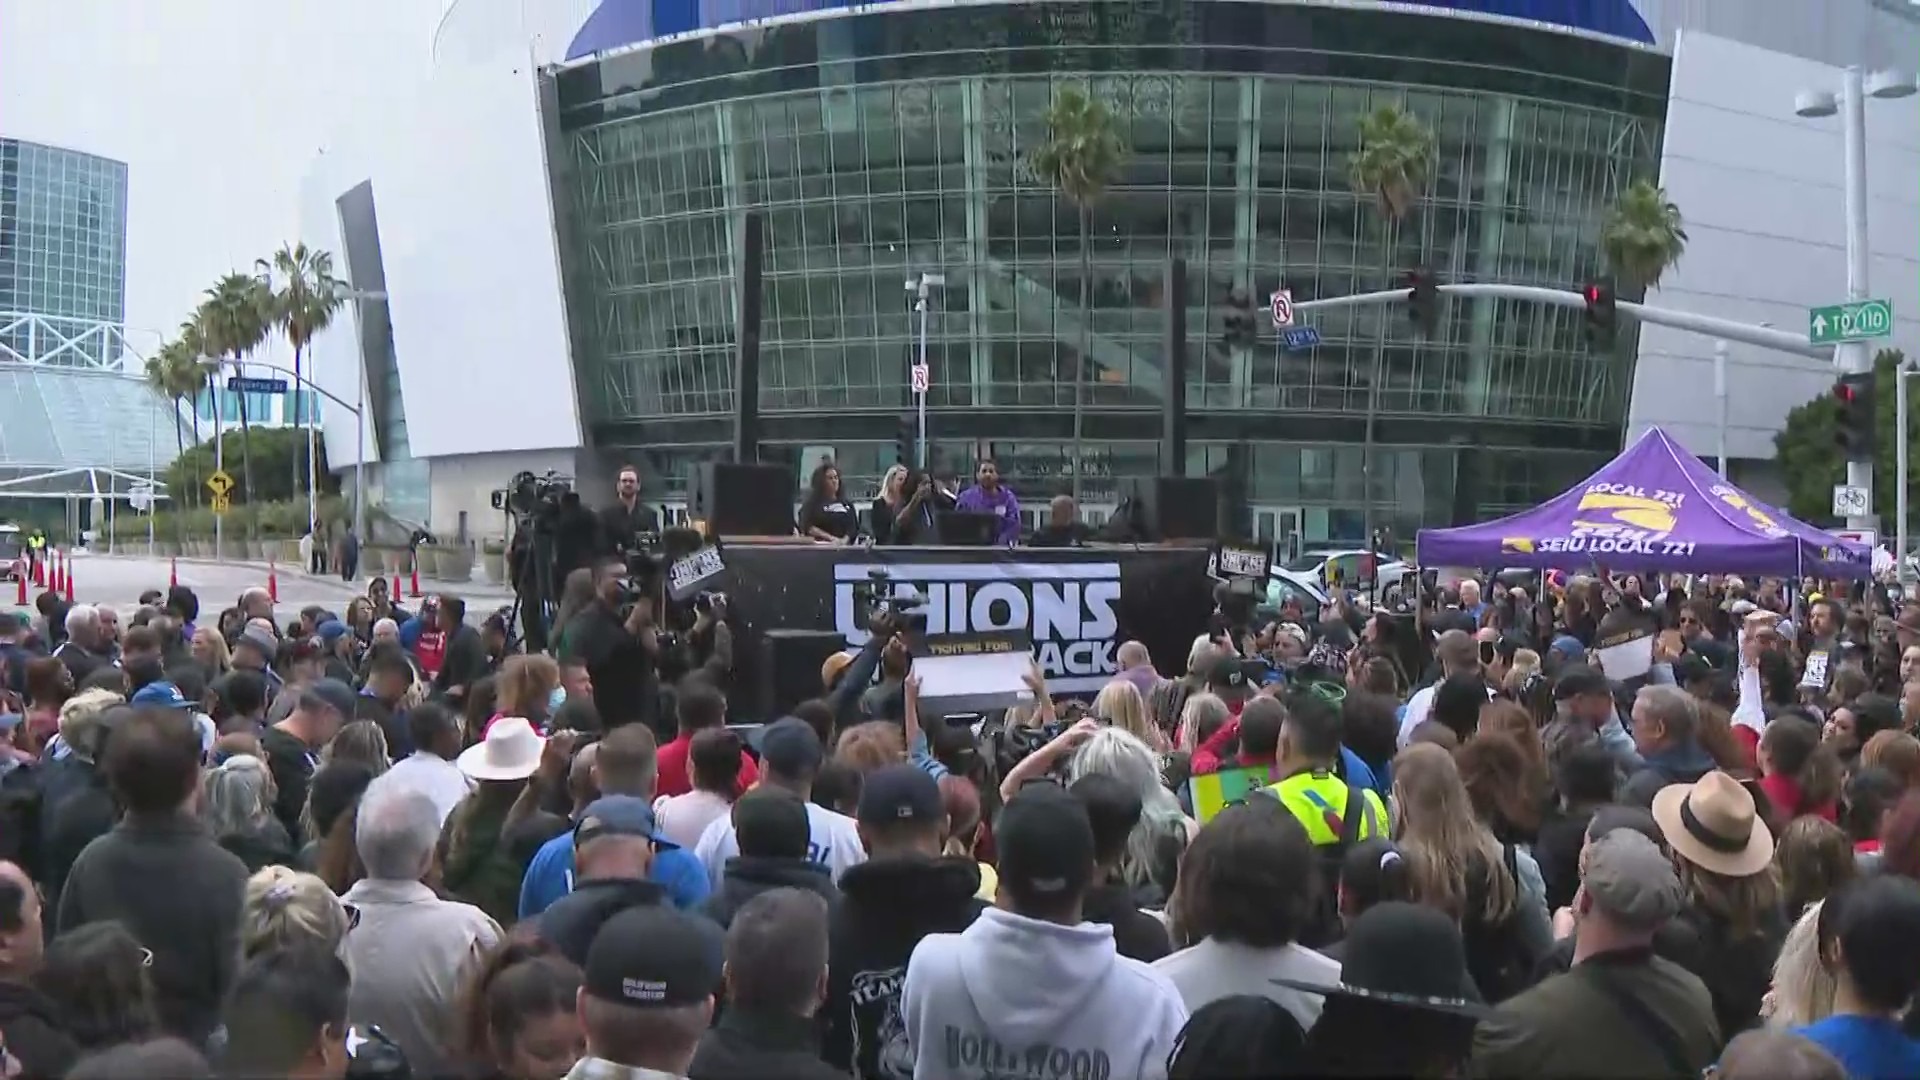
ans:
(531, 572)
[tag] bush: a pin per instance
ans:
(275, 450)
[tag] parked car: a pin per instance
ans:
(13, 553)
(1340, 568)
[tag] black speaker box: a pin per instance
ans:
(1178, 507)
(742, 500)
(793, 660)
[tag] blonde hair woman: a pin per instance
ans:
(1803, 985)
(1525, 663)
(210, 651)
(285, 907)
(1200, 717)
(1124, 756)
(1455, 864)
(1119, 703)
(361, 741)
(525, 685)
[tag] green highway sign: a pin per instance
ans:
(1862, 320)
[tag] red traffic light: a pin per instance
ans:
(1844, 393)
(1593, 294)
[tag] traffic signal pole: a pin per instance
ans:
(1764, 337)
(1857, 356)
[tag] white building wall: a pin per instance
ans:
(1761, 192)
(1874, 33)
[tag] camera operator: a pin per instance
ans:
(627, 517)
(621, 653)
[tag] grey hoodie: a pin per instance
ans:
(1016, 996)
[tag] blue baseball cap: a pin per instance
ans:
(9, 721)
(617, 815)
(163, 694)
(331, 631)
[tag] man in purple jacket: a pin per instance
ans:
(987, 496)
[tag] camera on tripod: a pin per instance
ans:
(534, 497)
(906, 611)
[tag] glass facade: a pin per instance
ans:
(882, 146)
(63, 243)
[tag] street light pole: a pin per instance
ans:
(1720, 399)
(921, 289)
(1856, 356)
(1900, 375)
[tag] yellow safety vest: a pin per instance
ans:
(1318, 800)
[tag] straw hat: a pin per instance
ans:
(1713, 825)
(511, 751)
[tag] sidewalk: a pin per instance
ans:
(478, 592)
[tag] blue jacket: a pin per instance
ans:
(550, 876)
(1360, 776)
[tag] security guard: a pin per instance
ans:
(1310, 784)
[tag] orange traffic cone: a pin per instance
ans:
(273, 583)
(66, 579)
(53, 574)
(397, 594)
(40, 570)
(413, 577)
(21, 597)
(173, 573)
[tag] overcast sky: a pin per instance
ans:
(216, 106)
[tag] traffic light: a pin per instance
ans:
(1853, 427)
(1601, 312)
(1423, 301)
(1240, 329)
(904, 439)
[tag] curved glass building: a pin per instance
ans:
(889, 141)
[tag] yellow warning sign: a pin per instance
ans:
(221, 504)
(220, 484)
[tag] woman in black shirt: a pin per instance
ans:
(827, 516)
(903, 514)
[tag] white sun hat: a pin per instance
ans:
(511, 751)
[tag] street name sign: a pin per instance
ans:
(1296, 338)
(239, 385)
(1282, 304)
(1862, 320)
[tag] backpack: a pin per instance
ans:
(1497, 953)
(1322, 926)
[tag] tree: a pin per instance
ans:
(1391, 166)
(1644, 235)
(1081, 153)
(302, 306)
(234, 319)
(272, 450)
(174, 373)
(1811, 461)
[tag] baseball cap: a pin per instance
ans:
(896, 793)
(1227, 673)
(615, 815)
(771, 823)
(834, 666)
(260, 639)
(655, 957)
(331, 631)
(1045, 841)
(790, 747)
(1581, 682)
(572, 922)
(1631, 879)
(332, 693)
(1292, 630)
(9, 721)
(162, 694)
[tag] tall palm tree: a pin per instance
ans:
(1391, 166)
(234, 318)
(1083, 150)
(303, 305)
(1643, 235)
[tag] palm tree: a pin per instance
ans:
(1079, 157)
(1643, 235)
(234, 319)
(305, 303)
(1391, 166)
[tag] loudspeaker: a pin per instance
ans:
(1177, 507)
(741, 500)
(791, 673)
(746, 366)
(1173, 373)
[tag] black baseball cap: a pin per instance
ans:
(1581, 682)
(1228, 673)
(791, 747)
(655, 957)
(1045, 841)
(333, 694)
(898, 793)
(573, 922)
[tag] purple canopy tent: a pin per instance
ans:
(1653, 508)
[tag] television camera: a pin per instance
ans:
(907, 611)
(538, 505)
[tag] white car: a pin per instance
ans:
(1334, 568)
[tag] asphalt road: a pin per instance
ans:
(118, 580)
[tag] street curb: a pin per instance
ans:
(467, 590)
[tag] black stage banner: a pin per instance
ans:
(1076, 604)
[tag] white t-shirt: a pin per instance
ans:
(835, 842)
(683, 819)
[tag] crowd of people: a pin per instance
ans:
(1462, 840)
